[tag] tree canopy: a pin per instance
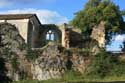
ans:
(96, 11)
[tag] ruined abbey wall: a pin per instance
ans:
(98, 33)
(21, 24)
(58, 34)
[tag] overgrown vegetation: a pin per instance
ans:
(31, 55)
(14, 63)
(96, 11)
(102, 65)
(10, 56)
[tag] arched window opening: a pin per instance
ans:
(50, 35)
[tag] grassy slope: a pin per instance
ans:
(78, 79)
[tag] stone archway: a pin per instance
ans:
(50, 33)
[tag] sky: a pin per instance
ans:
(54, 11)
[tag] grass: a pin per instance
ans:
(60, 81)
(75, 77)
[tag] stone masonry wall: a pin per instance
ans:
(98, 33)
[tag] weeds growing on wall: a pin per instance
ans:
(104, 65)
(31, 55)
(8, 55)
(14, 63)
(100, 65)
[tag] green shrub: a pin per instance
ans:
(100, 66)
(118, 69)
(14, 63)
(22, 47)
(67, 52)
(104, 64)
(31, 55)
(6, 52)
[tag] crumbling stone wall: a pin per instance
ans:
(50, 64)
(54, 61)
(67, 37)
(10, 36)
(98, 33)
(12, 52)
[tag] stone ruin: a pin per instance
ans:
(11, 52)
(61, 34)
(98, 33)
(37, 35)
(69, 37)
(52, 61)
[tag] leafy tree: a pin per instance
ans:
(96, 11)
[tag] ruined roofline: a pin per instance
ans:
(18, 16)
(15, 16)
(54, 24)
(62, 26)
(49, 25)
(57, 25)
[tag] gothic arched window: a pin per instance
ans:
(50, 35)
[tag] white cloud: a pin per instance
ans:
(119, 38)
(45, 16)
(6, 3)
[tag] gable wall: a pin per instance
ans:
(21, 24)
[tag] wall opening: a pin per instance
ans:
(50, 33)
(50, 36)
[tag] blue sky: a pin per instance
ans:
(64, 8)
(53, 11)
